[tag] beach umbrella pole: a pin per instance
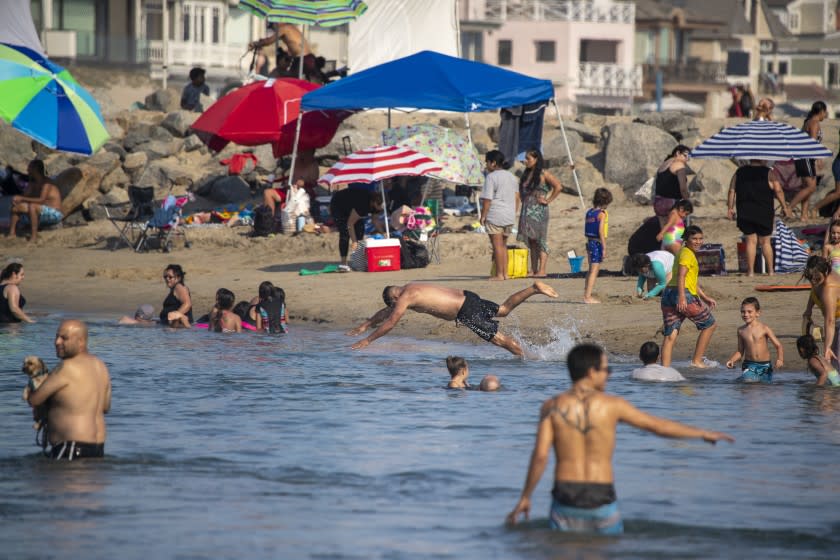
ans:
(384, 209)
(569, 152)
(300, 110)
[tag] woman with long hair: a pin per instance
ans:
(808, 169)
(671, 184)
(176, 310)
(537, 188)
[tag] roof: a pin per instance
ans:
(660, 10)
(778, 3)
(735, 23)
(777, 29)
(810, 44)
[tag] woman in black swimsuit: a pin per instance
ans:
(11, 300)
(176, 310)
(671, 184)
(808, 169)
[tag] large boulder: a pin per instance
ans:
(115, 148)
(135, 161)
(230, 189)
(193, 142)
(87, 186)
(157, 149)
(266, 163)
(15, 148)
(682, 127)
(589, 135)
(167, 173)
(592, 121)
(554, 147)
(58, 162)
(588, 177)
(179, 122)
(66, 179)
(116, 178)
(137, 135)
(104, 160)
(711, 183)
(633, 151)
(166, 100)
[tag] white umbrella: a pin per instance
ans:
(764, 140)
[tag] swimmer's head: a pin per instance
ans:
(639, 263)
(225, 299)
(457, 365)
(649, 352)
(489, 383)
(390, 295)
(602, 198)
(807, 347)
(588, 360)
(266, 290)
(145, 312)
(750, 309)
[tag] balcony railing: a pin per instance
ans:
(560, 10)
(194, 54)
(609, 80)
(687, 72)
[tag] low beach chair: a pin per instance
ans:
(164, 224)
(128, 218)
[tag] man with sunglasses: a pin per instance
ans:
(580, 426)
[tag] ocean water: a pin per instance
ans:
(223, 446)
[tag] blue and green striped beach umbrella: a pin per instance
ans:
(42, 100)
(324, 13)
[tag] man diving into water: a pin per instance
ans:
(462, 306)
(580, 425)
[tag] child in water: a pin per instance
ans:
(222, 318)
(819, 366)
(595, 229)
(752, 346)
(831, 245)
(459, 371)
(671, 234)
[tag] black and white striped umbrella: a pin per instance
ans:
(765, 140)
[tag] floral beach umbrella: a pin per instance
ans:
(42, 100)
(459, 160)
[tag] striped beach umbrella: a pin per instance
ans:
(324, 13)
(42, 100)
(764, 140)
(378, 163)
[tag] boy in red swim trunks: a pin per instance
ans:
(684, 299)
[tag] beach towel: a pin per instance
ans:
(791, 256)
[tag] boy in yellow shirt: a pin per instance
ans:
(685, 299)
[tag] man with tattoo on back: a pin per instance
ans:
(580, 425)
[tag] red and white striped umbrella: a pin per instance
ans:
(377, 163)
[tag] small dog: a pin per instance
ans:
(37, 370)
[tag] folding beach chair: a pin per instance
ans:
(164, 224)
(132, 216)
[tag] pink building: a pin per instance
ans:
(584, 46)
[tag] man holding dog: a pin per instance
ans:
(78, 395)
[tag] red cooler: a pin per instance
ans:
(382, 254)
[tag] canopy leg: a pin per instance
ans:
(569, 152)
(300, 109)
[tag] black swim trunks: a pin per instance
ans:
(478, 315)
(77, 450)
(587, 495)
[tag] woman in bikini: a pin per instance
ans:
(831, 245)
(825, 292)
(222, 318)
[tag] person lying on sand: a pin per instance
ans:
(462, 306)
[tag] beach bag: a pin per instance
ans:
(263, 222)
(358, 258)
(413, 254)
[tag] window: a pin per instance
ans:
(546, 51)
(783, 68)
(505, 53)
(216, 25)
(472, 43)
(187, 23)
(768, 66)
(793, 21)
(598, 51)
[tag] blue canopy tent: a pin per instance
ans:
(431, 80)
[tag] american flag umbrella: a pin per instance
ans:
(764, 140)
(377, 163)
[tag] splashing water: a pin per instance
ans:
(561, 339)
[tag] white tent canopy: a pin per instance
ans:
(16, 25)
(671, 102)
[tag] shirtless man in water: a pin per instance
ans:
(41, 203)
(78, 394)
(462, 306)
(580, 425)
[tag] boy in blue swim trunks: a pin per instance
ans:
(579, 425)
(595, 228)
(753, 348)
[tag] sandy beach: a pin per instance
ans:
(73, 270)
